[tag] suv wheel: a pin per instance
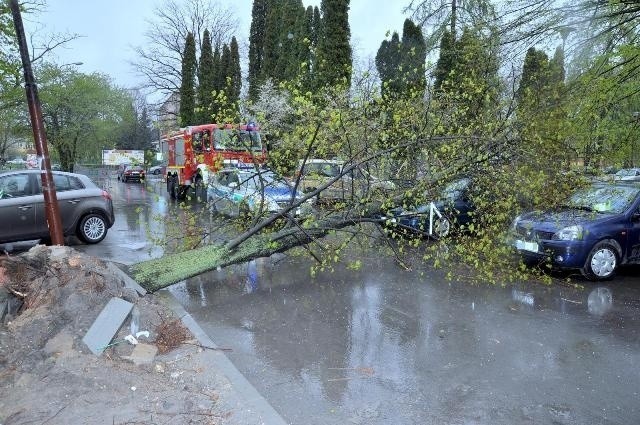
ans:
(92, 228)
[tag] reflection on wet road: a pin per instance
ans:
(382, 346)
(135, 209)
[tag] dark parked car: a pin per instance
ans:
(596, 231)
(85, 209)
(127, 172)
(452, 209)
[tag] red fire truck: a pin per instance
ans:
(195, 151)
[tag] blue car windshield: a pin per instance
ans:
(605, 199)
(455, 189)
(269, 179)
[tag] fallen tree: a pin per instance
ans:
(259, 241)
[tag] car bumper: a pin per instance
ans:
(561, 254)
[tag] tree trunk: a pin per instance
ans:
(162, 272)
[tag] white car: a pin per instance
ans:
(627, 174)
(235, 191)
(157, 169)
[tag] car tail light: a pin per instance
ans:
(106, 195)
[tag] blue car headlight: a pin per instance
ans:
(571, 233)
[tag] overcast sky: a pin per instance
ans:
(109, 29)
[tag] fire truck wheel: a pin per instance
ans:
(181, 192)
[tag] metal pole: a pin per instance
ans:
(35, 112)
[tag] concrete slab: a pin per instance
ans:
(107, 324)
(143, 354)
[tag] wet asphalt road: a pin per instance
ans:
(385, 346)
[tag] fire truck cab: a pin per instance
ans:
(195, 151)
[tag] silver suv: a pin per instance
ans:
(315, 173)
(85, 209)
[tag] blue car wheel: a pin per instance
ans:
(601, 262)
(441, 227)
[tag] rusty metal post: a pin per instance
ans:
(35, 112)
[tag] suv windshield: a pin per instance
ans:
(605, 199)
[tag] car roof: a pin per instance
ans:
(82, 177)
(322, 161)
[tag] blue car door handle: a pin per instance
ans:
(25, 207)
(73, 201)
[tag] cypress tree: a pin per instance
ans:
(286, 52)
(187, 87)
(206, 76)
(317, 27)
(534, 76)
(556, 67)
(271, 40)
(234, 72)
(218, 83)
(225, 68)
(256, 45)
(388, 64)
(305, 54)
(446, 60)
(413, 57)
(334, 51)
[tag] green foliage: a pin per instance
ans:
(83, 113)
(187, 85)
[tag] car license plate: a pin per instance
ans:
(527, 246)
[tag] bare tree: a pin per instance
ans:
(159, 61)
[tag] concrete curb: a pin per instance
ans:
(244, 395)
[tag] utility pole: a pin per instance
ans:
(35, 112)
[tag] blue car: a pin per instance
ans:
(453, 209)
(237, 191)
(595, 232)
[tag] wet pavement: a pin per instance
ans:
(382, 345)
(385, 346)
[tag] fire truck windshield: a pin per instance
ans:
(228, 139)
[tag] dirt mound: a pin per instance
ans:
(48, 374)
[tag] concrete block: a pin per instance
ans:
(107, 324)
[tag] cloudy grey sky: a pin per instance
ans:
(108, 29)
